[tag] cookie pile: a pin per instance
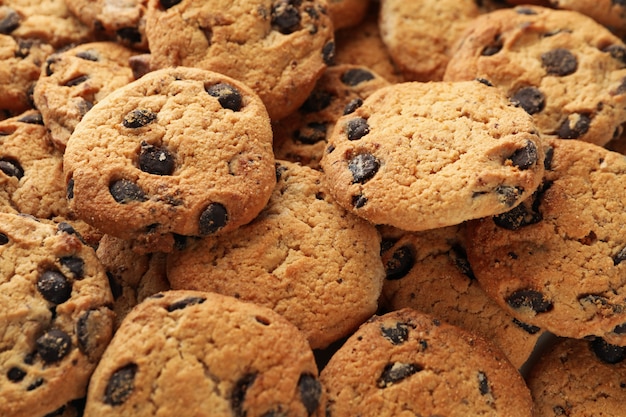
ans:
(312, 208)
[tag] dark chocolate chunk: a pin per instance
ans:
(139, 118)
(114, 283)
(69, 189)
(285, 16)
(396, 372)
(527, 298)
(86, 325)
(280, 170)
(357, 128)
(185, 302)
(317, 101)
(23, 48)
(120, 385)
(310, 392)
(4, 239)
(508, 195)
(166, 4)
(129, 35)
(621, 88)
(32, 118)
(9, 22)
(483, 383)
(227, 95)
(213, 218)
(156, 160)
(89, 55)
(400, 263)
(363, 167)
(530, 99)
(492, 48)
(16, 374)
(11, 167)
(559, 62)
(359, 201)
(525, 214)
(485, 81)
(76, 80)
(53, 345)
(54, 287)
(312, 133)
(238, 396)
(617, 52)
(547, 162)
(356, 76)
(397, 334)
(607, 352)
(528, 328)
(84, 106)
(458, 256)
(35, 384)
(125, 191)
(620, 256)
(328, 53)
(353, 105)
(75, 264)
(525, 157)
(580, 127)
(620, 329)
(525, 11)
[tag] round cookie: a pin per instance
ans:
(180, 151)
(421, 156)
(20, 66)
(303, 256)
(278, 47)
(429, 272)
(56, 317)
(579, 378)
(563, 68)
(216, 355)
(610, 13)
(410, 363)
(557, 260)
(301, 136)
(123, 21)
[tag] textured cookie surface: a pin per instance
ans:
(557, 261)
(563, 68)
(610, 13)
(408, 363)
(278, 47)
(204, 354)
(420, 156)
(75, 79)
(179, 151)
(303, 256)
(429, 271)
(55, 316)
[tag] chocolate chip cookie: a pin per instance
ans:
(610, 13)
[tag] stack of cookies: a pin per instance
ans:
(312, 208)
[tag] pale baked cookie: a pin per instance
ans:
(185, 351)
(120, 20)
(180, 151)
(557, 260)
(303, 256)
(579, 378)
(429, 271)
(56, 320)
(563, 68)
(75, 79)
(301, 136)
(610, 13)
(347, 13)
(410, 363)
(278, 47)
(421, 156)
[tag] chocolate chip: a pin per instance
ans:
(310, 392)
(280, 170)
(353, 105)
(4, 239)
(547, 162)
(318, 100)
(620, 256)
(328, 53)
(357, 128)
(185, 302)
(485, 81)
(69, 189)
(524, 214)
(607, 352)
(285, 16)
(23, 48)
(397, 334)
(35, 384)
(32, 118)
(76, 81)
(54, 287)
(125, 191)
(396, 372)
(75, 264)
(580, 127)
(363, 167)
(120, 385)
(138, 118)
(83, 106)
(359, 201)
(507, 195)
(356, 76)
(227, 95)
(16, 374)
(156, 160)
(400, 263)
(169, 3)
(312, 133)
(11, 167)
(238, 396)
(620, 329)
(53, 345)
(530, 99)
(129, 34)
(617, 52)
(458, 256)
(9, 22)
(525, 11)
(525, 157)
(86, 325)
(213, 218)
(89, 55)
(559, 62)
(528, 328)
(527, 298)
(493, 48)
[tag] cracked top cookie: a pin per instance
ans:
(216, 355)
(420, 156)
(561, 67)
(558, 260)
(178, 152)
(56, 320)
(278, 47)
(410, 363)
